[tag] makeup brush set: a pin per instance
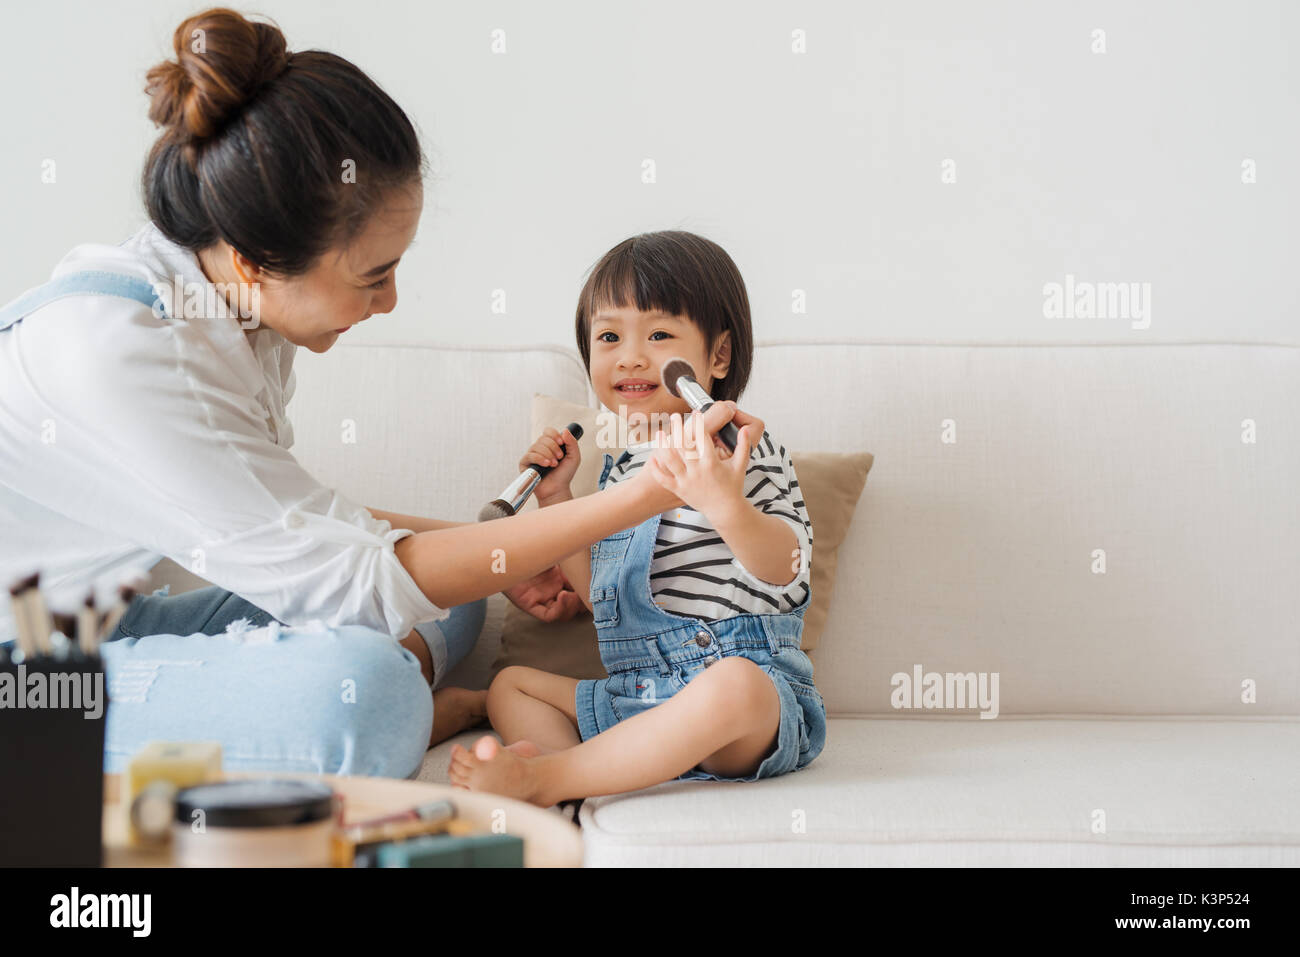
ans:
(53, 703)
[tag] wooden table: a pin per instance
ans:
(550, 840)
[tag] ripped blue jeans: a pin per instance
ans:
(345, 700)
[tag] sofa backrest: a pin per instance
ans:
(1093, 523)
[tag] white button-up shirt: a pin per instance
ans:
(125, 438)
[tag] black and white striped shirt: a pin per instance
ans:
(694, 573)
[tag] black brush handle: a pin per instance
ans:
(729, 434)
(576, 431)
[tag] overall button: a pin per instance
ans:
(712, 659)
(702, 639)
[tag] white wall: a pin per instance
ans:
(817, 171)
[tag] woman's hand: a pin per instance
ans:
(547, 596)
(718, 415)
(558, 449)
(699, 468)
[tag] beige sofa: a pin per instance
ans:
(1088, 522)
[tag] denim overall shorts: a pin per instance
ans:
(650, 654)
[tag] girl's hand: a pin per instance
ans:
(559, 449)
(698, 468)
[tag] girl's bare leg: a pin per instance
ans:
(532, 710)
(525, 704)
(725, 720)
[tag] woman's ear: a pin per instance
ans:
(244, 267)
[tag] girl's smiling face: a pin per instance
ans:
(628, 351)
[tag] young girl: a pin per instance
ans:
(698, 611)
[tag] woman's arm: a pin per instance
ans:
(467, 562)
(461, 564)
(576, 567)
(413, 522)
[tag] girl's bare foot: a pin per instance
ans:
(455, 710)
(525, 749)
(511, 771)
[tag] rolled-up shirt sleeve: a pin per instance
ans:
(324, 557)
(166, 450)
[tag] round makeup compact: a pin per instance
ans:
(271, 822)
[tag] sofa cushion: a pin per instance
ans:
(958, 792)
(955, 792)
(1176, 462)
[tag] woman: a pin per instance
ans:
(282, 192)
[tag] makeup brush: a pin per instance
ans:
(38, 616)
(87, 625)
(65, 624)
(679, 380)
(24, 621)
(125, 593)
(516, 494)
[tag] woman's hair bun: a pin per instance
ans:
(222, 61)
(253, 138)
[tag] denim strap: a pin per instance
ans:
(87, 283)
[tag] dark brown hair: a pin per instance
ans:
(681, 274)
(256, 142)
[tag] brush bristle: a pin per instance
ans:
(23, 584)
(674, 369)
(494, 510)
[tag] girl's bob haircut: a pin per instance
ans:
(680, 274)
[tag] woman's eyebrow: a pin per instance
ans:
(379, 269)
